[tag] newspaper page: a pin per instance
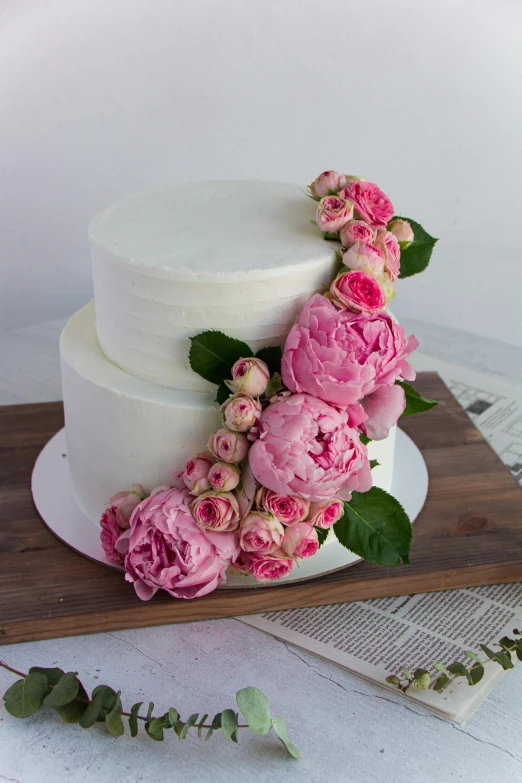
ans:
(375, 638)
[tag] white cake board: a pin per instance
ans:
(54, 499)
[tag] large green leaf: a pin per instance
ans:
(25, 697)
(64, 692)
(92, 711)
(229, 725)
(53, 675)
(113, 719)
(416, 257)
(415, 402)
(212, 355)
(281, 731)
(133, 718)
(272, 356)
(375, 527)
(254, 706)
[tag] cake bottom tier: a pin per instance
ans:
(122, 430)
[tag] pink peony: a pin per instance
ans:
(228, 446)
(216, 511)
(124, 503)
(366, 257)
(403, 232)
(195, 475)
(358, 291)
(300, 540)
(370, 203)
(333, 213)
(110, 533)
(260, 532)
(265, 568)
(357, 231)
(325, 183)
(241, 412)
(325, 513)
(168, 550)
(307, 448)
(288, 509)
(340, 357)
(388, 245)
(249, 376)
(383, 408)
(224, 477)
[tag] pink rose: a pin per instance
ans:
(288, 509)
(195, 474)
(357, 231)
(402, 230)
(325, 513)
(388, 245)
(224, 477)
(124, 503)
(365, 257)
(326, 182)
(216, 511)
(333, 213)
(228, 446)
(168, 550)
(340, 357)
(370, 203)
(300, 540)
(306, 448)
(250, 376)
(260, 532)
(240, 566)
(241, 412)
(358, 291)
(110, 533)
(266, 568)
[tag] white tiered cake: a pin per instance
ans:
(238, 256)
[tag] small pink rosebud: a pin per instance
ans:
(195, 474)
(388, 244)
(265, 568)
(325, 513)
(224, 477)
(357, 231)
(366, 257)
(240, 566)
(260, 532)
(124, 503)
(241, 412)
(358, 291)
(216, 511)
(228, 446)
(300, 540)
(402, 231)
(325, 183)
(249, 376)
(333, 213)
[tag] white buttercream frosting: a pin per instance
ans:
(238, 256)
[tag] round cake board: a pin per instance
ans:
(54, 500)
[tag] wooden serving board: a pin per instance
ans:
(469, 533)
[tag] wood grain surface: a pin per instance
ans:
(469, 533)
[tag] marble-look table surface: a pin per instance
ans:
(347, 729)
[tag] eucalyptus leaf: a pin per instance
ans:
(154, 729)
(415, 402)
(150, 710)
(272, 356)
(422, 679)
(72, 712)
(173, 716)
(201, 724)
(113, 719)
(109, 696)
(25, 697)
(416, 257)
(213, 353)
(476, 673)
(229, 724)
(472, 655)
(393, 679)
(441, 682)
(375, 527)
(92, 711)
(64, 692)
(133, 718)
(254, 706)
(191, 721)
(52, 674)
(281, 731)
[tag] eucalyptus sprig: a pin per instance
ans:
(424, 680)
(64, 693)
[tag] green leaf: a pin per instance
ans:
(322, 535)
(113, 719)
(441, 682)
(212, 355)
(476, 673)
(519, 650)
(254, 706)
(507, 643)
(364, 439)
(374, 463)
(173, 716)
(53, 675)
(201, 723)
(422, 679)
(72, 712)
(92, 711)
(375, 527)
(458, 669)
(415, 402)
(472, 655)
(406, 673)
(64, 692)
(393, 679)
(154, 729)
(222, 394)
(440, 668)
(229, 724)
(150, 710)
(416, 257)
(275, 384)
(499, 657)
(188, 723)
(133, 718)
(109, 696)
(25, 697)
(271, 356)
(281, 731)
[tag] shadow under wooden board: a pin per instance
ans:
(469, 533)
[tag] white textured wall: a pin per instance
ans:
(103, 97)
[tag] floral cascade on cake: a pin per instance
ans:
(290, 462)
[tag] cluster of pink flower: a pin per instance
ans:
(284, 462)
(360, 215)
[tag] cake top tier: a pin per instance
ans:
(213, 230)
